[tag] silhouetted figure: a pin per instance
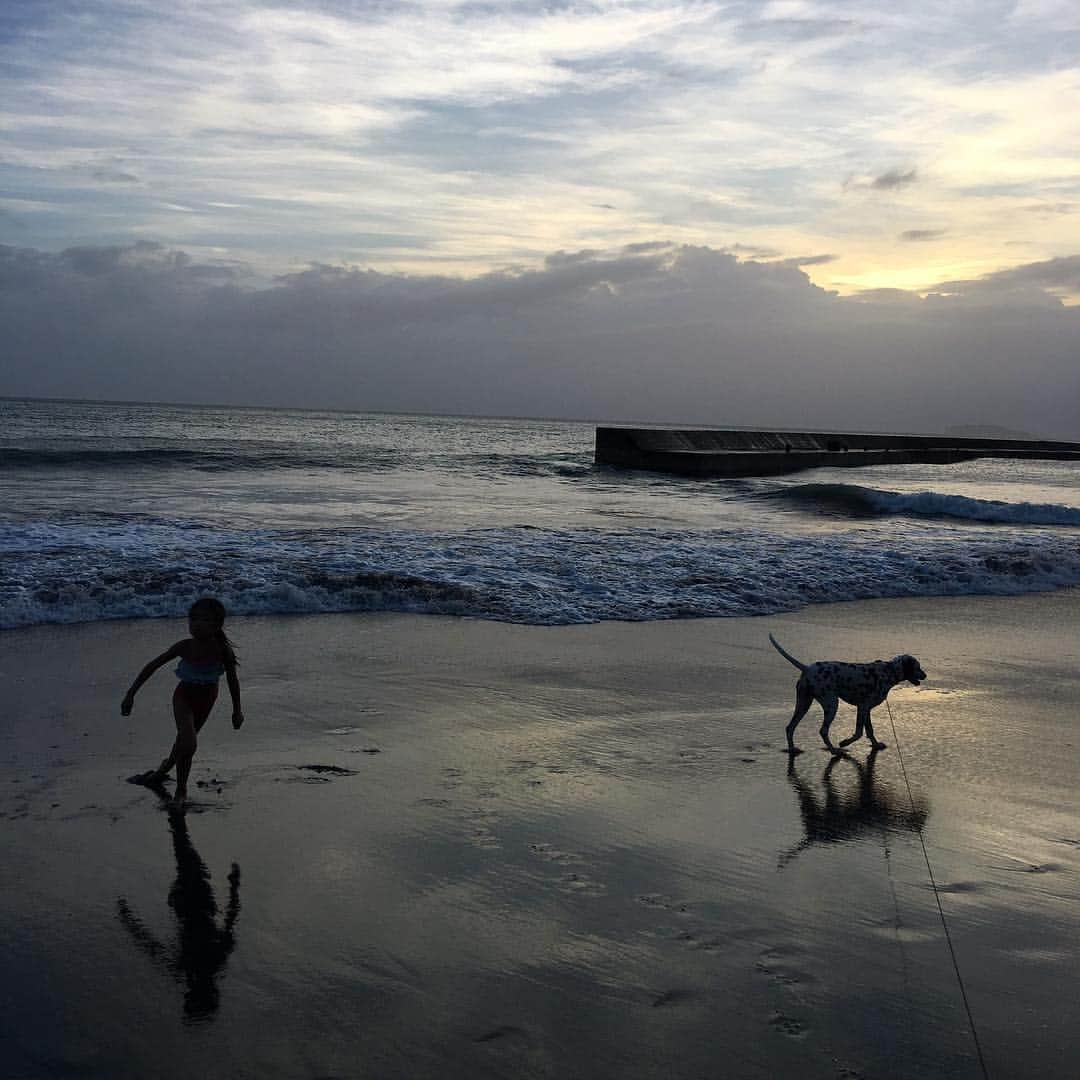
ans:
(204, 658)
(202, 947)
(850, 811)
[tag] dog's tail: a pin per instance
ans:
(786, 655)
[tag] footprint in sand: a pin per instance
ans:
(691, 932)
(664, 903)
(503, 1034)
(477, 822)
(779, 968)
(572, 882)
(955, 887)
(689, 757)
(534, 773)
(453, 778)
(674, 997)
(696, 943)
(581, 885)
(1031, 868)
(553, 854)
(324, 774)
(788, 1025)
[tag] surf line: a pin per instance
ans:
(937, 897)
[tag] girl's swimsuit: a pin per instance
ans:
(200, 674)
(198, 687)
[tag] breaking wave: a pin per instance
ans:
(855, 501)
(62, 572)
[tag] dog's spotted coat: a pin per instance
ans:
(863, 685)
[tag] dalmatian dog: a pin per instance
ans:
(863, 685)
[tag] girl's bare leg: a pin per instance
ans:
(186, 744)
(166, 766)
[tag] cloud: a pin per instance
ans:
(806, 260)
(1042, 283)
(894, 178)
(658, 331)
(753, 251)
(922, 235)
(480, 135)
(114, 176)
(1051, 208)
(1061, 273)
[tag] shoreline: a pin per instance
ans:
(485, 849)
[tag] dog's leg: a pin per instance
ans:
(870, 734)
(829, 704)
(803, 700)
(862, 718)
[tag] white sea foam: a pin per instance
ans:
(61, 573)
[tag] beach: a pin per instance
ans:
(455, 847)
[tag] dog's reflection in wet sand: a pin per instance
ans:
(850, 806)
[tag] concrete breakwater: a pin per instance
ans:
(736, 452)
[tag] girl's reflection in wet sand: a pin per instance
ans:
(202, 947)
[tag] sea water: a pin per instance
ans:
(123, 510)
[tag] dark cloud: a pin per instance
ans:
(563, 258)
(894, 178)
(1061, 273)
(648, 245)
(921, 235)
(655, 332)
(806, 260)
(114, 176)
(1037, 283)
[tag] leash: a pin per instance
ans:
(937, 897)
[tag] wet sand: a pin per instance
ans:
(453, 848)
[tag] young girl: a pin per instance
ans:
(204, 658)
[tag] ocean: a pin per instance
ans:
(114, 511)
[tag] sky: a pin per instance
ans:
(842, 214)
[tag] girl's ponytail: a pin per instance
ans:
(228, 649)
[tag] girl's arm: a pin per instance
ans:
(234, 690)
(129, 698)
